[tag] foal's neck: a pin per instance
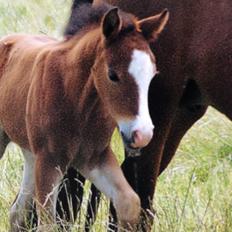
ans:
(81, 91)
(81, 53)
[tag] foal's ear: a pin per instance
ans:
(111, 23)
(152, 26)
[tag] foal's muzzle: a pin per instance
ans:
(136, 133)
(137, 140)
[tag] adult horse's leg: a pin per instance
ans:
(23, 204)
(184, 119)
(142, 176)
(70, 195)
(191, 107)
(74, 193)
(93, 204)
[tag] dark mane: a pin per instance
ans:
(83, 15)
(87, 14)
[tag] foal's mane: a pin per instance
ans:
(86, 14)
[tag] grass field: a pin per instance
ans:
(193, 194)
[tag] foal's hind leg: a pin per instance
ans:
(24, 201)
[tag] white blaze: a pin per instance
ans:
(142, 69)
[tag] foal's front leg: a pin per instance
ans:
(107, 176)
(49, 173)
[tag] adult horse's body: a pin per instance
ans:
(195, 64)
(59, 101)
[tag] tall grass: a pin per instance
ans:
(195, 191)
(34, 16)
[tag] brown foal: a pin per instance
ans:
(61, 100)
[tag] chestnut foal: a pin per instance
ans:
(61, 100)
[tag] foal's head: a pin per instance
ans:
(123, 70)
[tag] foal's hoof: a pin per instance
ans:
(128, 210)
(17, 221)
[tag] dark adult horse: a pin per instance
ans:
(195, 63)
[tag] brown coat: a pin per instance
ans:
(59, 101)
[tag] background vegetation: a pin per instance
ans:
(193, 194)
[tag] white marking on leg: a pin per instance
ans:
(111, 181)
(103, 182)
(24, 200)
(142, 69)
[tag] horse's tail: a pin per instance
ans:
(4, 140)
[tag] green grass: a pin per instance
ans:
(34, 16)
(193, 194)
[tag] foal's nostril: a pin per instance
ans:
(137, 140)
(136, 136)
(126, 140)
(141, 139)
(133, 137)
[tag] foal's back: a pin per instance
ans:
(21, 56)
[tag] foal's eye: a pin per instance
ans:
(113, 76)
